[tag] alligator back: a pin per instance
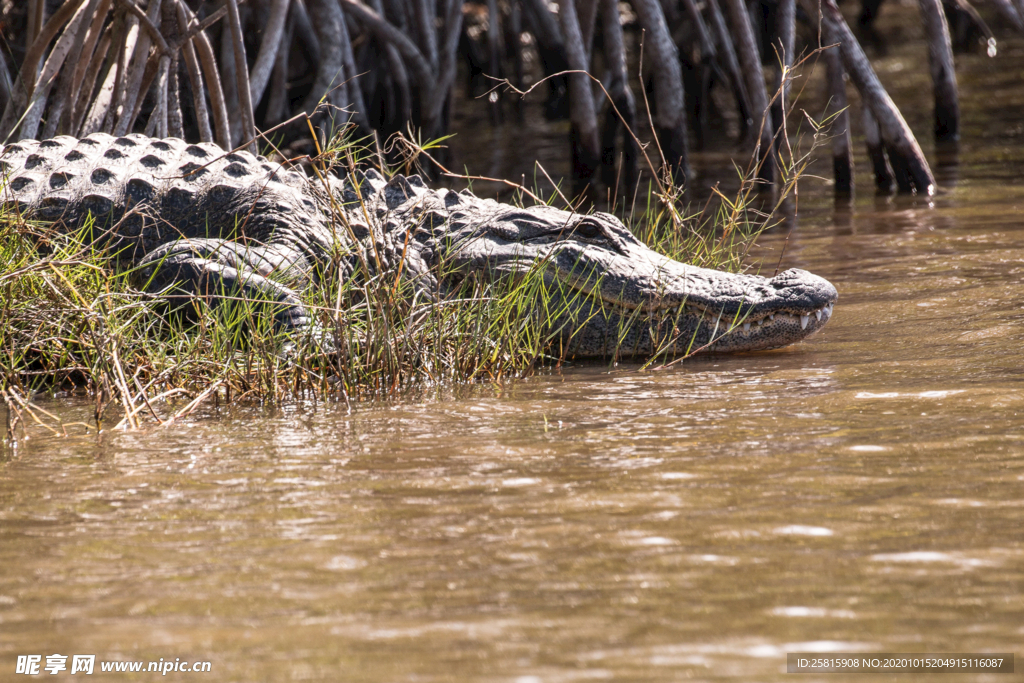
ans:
(151, 192)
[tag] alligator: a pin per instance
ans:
(197, 221)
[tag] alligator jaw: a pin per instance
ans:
(684, 309)
(770, 331)
(774, 311)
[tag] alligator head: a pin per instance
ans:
(612, 295)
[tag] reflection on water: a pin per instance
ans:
(859, 492)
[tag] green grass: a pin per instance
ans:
(73, 318)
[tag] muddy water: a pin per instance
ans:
(863, 491)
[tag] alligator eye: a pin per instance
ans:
(588, 229)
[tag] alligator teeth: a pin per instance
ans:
(746, 327)
(803, 321)
(817, 315)
(829, 310)
(771, 316)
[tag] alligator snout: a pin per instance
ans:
(795, 304)
(806, 291)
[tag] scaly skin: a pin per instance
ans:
(199, 221)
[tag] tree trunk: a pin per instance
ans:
(43, 85)
(670, 110)
(1009, 14)
(551, 50)
(352, 75)
(175, 122)
(307, 41)
(204, 51)
(884, 180)
(707, 70)
(518, 68)
(494, 58)
(842, 157)
(728, 51)
(273, 31)
(36, 50)
(750, 63)
(785, 44)
(229, 82)
(424, 14)
(87, 86)
(35, 21)
(438, 114)
(909, 165)
(583, 135)
(136, 74)
(625, 105)
(103, 105)
(587, 15)
(71, 79)
(940, 61)
(6, 83)
(329, 84)
(59, 108)
(242, 78)
(279, 104)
